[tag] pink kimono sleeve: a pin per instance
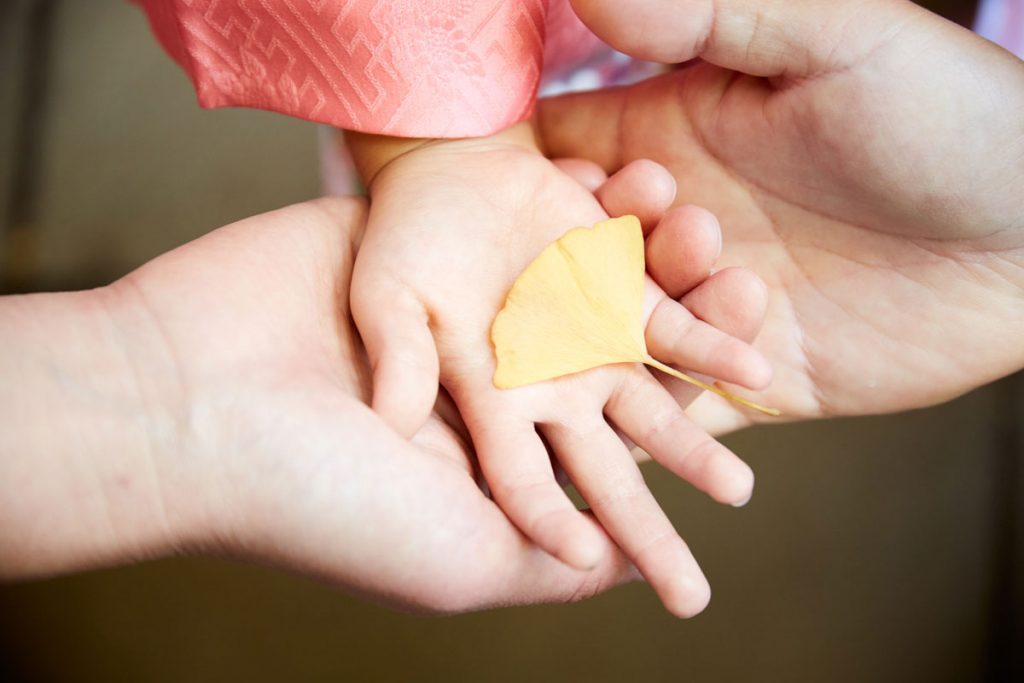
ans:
(412, 68)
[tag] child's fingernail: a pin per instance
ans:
(743, 502)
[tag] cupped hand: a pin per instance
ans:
(264, 445)
(451, 226)
(865, 159)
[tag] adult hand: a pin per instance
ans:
(214, 401)
(865, 159)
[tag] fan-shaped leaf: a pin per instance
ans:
(579, 305)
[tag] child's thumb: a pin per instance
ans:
(404, 361)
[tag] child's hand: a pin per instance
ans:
(452, 225)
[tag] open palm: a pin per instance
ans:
(269, 451)
(867, 161)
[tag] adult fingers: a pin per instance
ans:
(523, 574)
(425, 538)
(757, 37)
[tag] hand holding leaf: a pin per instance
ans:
(579, 306)
(425, 300)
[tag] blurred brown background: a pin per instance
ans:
(882, 549)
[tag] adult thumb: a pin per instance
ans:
(765, 38)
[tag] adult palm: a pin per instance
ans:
(865, 159)
(268, 451)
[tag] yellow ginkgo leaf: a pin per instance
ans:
(579, 305)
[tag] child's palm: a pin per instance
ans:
(442, 249)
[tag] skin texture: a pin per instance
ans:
(236, 356)
(451, 226)
(865, 159)
(214, 402)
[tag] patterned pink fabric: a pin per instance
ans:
(569, 43)
(416, 68)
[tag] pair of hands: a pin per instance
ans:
(451, 226)
(874, 241)
(214, 401)
(864, 160)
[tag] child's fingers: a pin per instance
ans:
(609, 480)
(675, 336)
(642, 188)
(403, 357)
(518, 471)
(734, 301)
(682, 249)
(649, 415)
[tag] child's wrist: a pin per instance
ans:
(372, 153)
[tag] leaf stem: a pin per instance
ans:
(655, 363)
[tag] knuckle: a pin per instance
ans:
(699, 457)
(632, 388)
(655, 543)
(627, 490)
(545, 521)
(666, 424)
(671, 325)
(521, 495)
(573, 430)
